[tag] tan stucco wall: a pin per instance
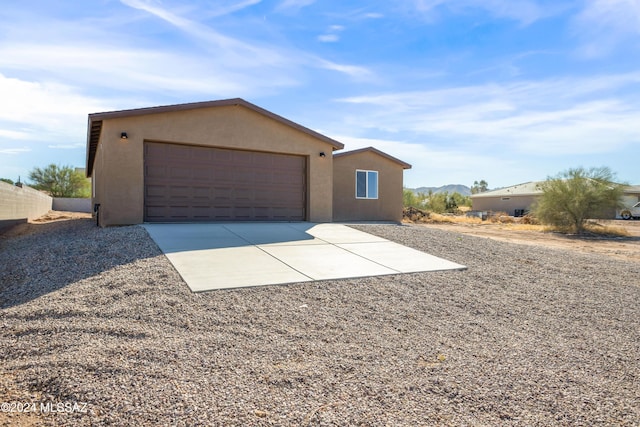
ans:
(496, 204)
(119, 173)
(388, 206)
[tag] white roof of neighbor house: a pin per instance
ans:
(632, 189)
(525, 189)
(532, 189)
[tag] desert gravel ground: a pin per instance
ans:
(526, 336)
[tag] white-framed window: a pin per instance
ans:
(366, 184)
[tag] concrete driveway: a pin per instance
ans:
(233, 255)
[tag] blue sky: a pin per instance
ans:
(503, 90)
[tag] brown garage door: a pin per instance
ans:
(189, 183)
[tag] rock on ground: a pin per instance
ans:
(526, 336)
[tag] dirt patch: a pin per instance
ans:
(59, 216)
(33, 225)
(626, 248)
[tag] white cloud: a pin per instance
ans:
(352, 70)
(331, 35)
(554, 117)
(236, 54)
(68, 146)
(328, 38)
(14, 151)
(434, 164)
(43, 111)
(13, 134)
(294, 4)
(524, 11)
(233, 6)
(235, 51)
(605, 25)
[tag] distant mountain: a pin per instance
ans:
(451, 188)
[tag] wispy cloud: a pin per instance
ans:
(352, 70)
(294, 5)
(435, 163)
(332, 34)
(605, 25)
(233, 6)
(44, 111)
(13, 134)
(240, 53)
(235, 53)
(68, 146)
(14, 151)
(524, 11)
(554, 117)
(328, 38)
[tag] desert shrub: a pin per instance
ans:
(529, 219)
(494, 217)
(414, 214)
(574, 196)
(506, 219)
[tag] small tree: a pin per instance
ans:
(576, 195)
(479, 187)
(409, 198)
(60, 181)
(7, 180)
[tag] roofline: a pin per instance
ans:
(94, 125)
(486, 194)
(376, 151)
(501, 191)
(627, 189)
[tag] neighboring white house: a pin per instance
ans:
(514, 200)
(518, 199)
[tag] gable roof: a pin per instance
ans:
(375, 151)
(94, 127)
(525, 189)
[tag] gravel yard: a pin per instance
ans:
(526, 336)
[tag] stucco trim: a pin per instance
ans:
(376, 151)
(94, 127)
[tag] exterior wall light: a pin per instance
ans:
(322, 154)
(123, 135)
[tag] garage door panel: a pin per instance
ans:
(187, 183)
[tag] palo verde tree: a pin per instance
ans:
(576, 195)
(60, 181)
(479, 186)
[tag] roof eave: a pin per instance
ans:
(95, 121)
(376, 151)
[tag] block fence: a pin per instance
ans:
(20, 204)
(72, 204)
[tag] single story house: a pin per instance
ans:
(519, 199)
(230, 160)
(514, 200)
